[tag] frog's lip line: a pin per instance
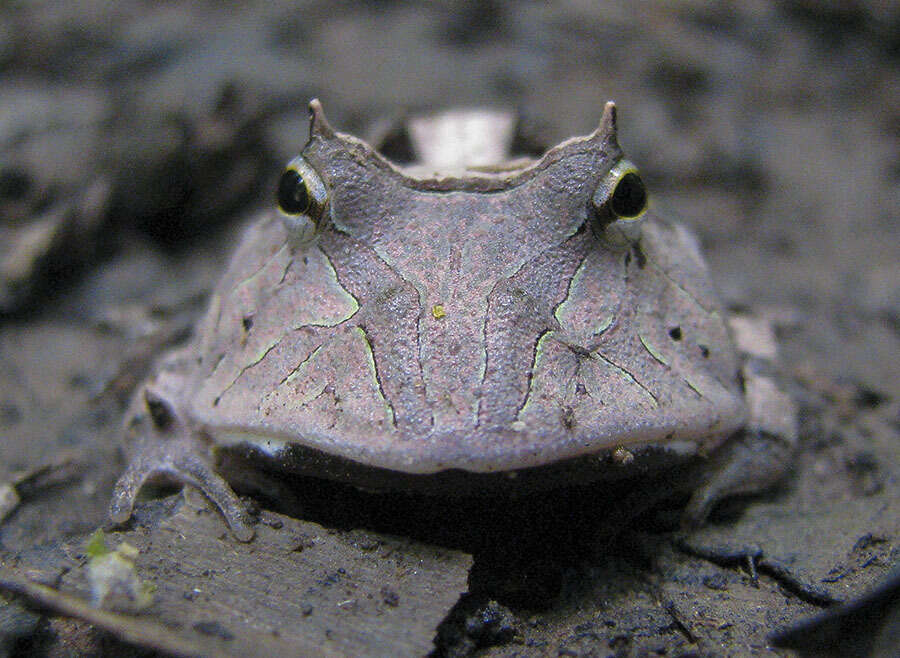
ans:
(604, 140)
(687, 440)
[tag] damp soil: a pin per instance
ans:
(135, 139)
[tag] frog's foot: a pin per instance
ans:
(170, 452)
(750, 463)
(760, 456)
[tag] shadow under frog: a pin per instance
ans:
(463, 324)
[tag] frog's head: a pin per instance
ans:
(511, 315)
(339, 178)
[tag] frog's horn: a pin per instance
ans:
(607, 131)
(318, 124)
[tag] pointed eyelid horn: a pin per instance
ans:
(608, 130)
(604, 138)
(318, 124)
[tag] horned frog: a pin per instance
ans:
(461, 323)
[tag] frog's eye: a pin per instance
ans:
(301, 191)
(620, 195)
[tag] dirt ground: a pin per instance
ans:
(134, 139)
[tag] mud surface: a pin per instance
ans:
(135, 137)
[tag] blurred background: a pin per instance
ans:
(135, 137)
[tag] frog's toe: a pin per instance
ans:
(126, 491)
(186, 469)
(197, 473)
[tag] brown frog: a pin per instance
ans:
(462, 323)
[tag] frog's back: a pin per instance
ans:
(481, 321)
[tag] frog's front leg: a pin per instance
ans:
(760, 455)
(167, 447)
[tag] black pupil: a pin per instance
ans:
(630, 196)
(293, 198)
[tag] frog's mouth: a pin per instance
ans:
(498, 450)
(607, 465)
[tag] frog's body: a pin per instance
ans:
(505, 318)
